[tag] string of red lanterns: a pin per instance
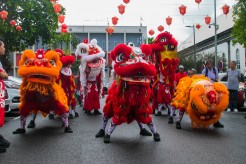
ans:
(182, 9)
(151, 32)
(160, 28)
(126, 1)
(121, 9)
(225, 9)
(115, 20)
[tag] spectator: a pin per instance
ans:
(212, 73)
(180, 74)
(233, 76)
(191, 72)
(3, 75)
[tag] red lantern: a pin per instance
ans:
(61, 18)
(225, 9)
(160, 28)
(110, 30)
(207, 20)
(18, 28)
(12, 22)
(121, 9)
(64, 26)
(126, 1)
(57, 7)
(182, 10)
(64, 30)
(198, 26)
(4, 14)
(198, 1)
(169, 20)
(52, 1)
(151, 32)
(115, 20)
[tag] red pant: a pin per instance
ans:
(91, 97)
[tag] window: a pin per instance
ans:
(238, 58)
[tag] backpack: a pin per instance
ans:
(206, 73)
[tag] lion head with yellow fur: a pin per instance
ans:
(202, 100)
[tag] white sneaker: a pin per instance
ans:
(228, 110)
(235, 110)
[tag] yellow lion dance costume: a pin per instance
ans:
(39, 90)
(202, 100)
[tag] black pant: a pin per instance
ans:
(233, 96)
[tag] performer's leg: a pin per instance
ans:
(159, 109)
(143, 131)
(65, 123)
(32, 122)
(104, 123)
(179, 118)
(109, 132)
(22, 129)
(152, 127)
(76, 113)
(171, 111)
(51, 115)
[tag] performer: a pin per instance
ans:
(91, 74)
(3, 75)
(128, 96)
(39, 91)
(201, 99)
(165, 58)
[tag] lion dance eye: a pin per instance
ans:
(52, 62)
(28, 61)
(163, 40)
(120, 57)
(83, 51)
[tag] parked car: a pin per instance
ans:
(241, 93)
(7, 102)
(13, 92)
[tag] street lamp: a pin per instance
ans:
(194, 46)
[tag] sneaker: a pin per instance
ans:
(106, 138)
(101, 133)
(4, 141)
(228, 110)
(51, 116)
(145, 132)
(76, 114)
(68, 130)
(70, 116)
(19, 131)
(218, 125)
(96, 112)
(157, 137)
(235, 110)
(31, 124)
(170, 120)
(88, 113)
(2, 150)
(178, 125)
(158, 114)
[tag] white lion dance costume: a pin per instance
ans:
(91, 74)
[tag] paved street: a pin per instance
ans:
(48, 144)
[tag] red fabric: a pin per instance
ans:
(179, 76)
(163, 94)
(91, 97)
(2, 102)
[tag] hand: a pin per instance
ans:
(3, 75)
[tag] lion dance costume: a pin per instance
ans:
(91, 74)
(202, 100)
(165, 58)
(128, 96)
(39, 90)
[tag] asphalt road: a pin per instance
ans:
(48, 144)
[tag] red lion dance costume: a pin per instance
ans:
(39, 90)
(165, 58)
(67, 82)
(91, 74)
(128, 96)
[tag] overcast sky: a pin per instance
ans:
(153, 13)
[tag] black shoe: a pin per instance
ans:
(218, 125)
(244, 116)
(76, 114)
(170, 120)
(96, 112)
(63, 125)
(106, 138)
(19, 131)
(51, 116)
(157, 137)
(178, 125)
(68, 130)
(4, 141)
(70, 116)
(158, 114)
(31, 124)
(2, 150)
(88, 113)
(145, 132)
(174, 114)
(101, 133)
